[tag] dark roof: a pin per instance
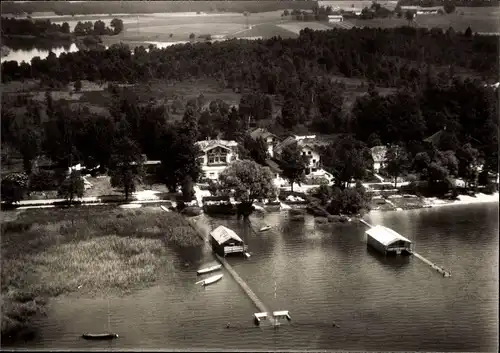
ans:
(262, 133)
(273, 165)
(434, 139)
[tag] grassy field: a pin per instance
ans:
(94, 251)
(171, 28)
(359, 4)
(480, 19)
(128, 7)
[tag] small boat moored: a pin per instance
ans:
(263, 229)
(99, 336)
(209, 269)
(210, 280)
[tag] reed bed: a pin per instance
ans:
(92, 251)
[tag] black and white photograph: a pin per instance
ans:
(250, 175)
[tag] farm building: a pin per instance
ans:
(335, 18)
(388, 241)
(225, 241)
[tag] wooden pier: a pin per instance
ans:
(248, 291)
(420, 257)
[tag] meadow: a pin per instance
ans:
(127, 7)
(480, 19)
(91, 251)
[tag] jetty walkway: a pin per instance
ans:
(420, 257)
(202, 231)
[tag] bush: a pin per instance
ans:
(44, 180)
(297, 217)
(315, 180)
(348, 201)
(490, 189)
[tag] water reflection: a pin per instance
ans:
(28, 52)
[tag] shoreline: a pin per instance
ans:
(148, 197)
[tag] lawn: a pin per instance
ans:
(94, 251)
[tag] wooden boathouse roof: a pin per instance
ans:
(385, 236)
(222, 234)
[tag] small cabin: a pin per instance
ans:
(387, 241)
(225, 241)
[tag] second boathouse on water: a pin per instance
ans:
(387, 241)
(225, 241)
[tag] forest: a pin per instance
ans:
(298, 73)
(38, 28)
(389, 57)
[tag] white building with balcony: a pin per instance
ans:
(217, 155)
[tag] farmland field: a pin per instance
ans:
(480, 19)
(171, 28)
(358, 4)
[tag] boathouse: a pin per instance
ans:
(387, 241)
(225, 241)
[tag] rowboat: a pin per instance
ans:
(210, 280)
(209, 269)
(263, 229)
(99, 336)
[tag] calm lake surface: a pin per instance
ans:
(321, 274)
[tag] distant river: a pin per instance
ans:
(321, 274)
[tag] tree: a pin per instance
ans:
(293, 164)
(192, 36)
(397, 161)
(117, 25)
(188, 189)
(126, 165)
(247, 181)
(65, 28)
(100, 28)
(468, 32)
(345, 159)
(180, 158)
(468, 164)
(72, 186)
(255, 149)
(78, 85)
(348, 201)
(449, 6)
(410, 16)
(13, 187)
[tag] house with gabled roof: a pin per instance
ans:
(271, 139)
(216, 156)
(310, 145)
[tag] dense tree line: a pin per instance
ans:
(391, 57)
(40, 28)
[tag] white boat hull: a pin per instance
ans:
(209, 269)
(211, 280)
(263, 229)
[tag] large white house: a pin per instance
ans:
(217, 155)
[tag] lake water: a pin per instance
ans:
(26, 55)
(321, 274)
